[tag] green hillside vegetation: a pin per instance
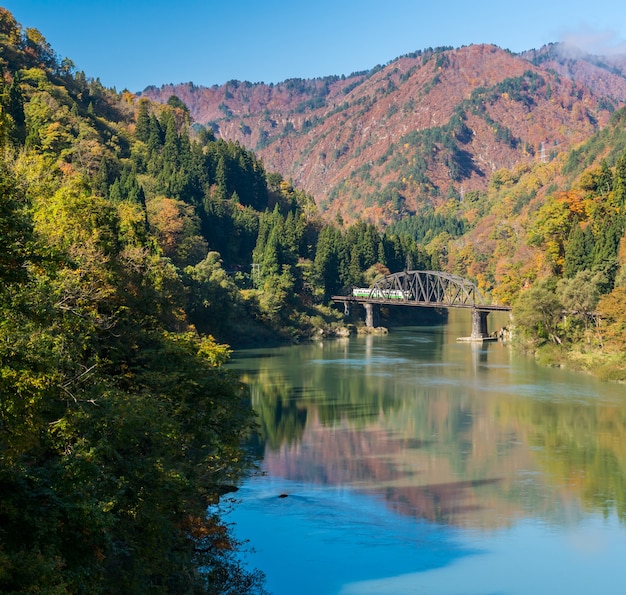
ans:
(119, 425)
(134, 245)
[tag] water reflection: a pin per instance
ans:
(439, 430)
(319, 540)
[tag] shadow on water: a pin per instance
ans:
(318, 541)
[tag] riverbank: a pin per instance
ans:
(608, 366)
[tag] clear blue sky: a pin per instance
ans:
(135, 43)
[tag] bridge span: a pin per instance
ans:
(430, 289)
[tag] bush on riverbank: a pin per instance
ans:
(608, 366)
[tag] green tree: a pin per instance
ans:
(15, 109)
(537, 313)
(326, 264)
(579, 296)
(15, 228)
(578, 250)
(607, 239)
(213, 297)
(142, 127)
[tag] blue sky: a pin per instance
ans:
(130, 44)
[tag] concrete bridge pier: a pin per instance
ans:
(479, 324)
(372, 315)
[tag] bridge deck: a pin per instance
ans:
(408, 302)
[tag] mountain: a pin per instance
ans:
(422, 129)
(606, 75)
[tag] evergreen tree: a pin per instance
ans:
(15, 109)
(578, 250)
(16, 236)
(326, 264)
(142, 127)
(620, 181)
(605, 260)
(221, 179)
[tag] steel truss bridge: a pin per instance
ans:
(433, 289)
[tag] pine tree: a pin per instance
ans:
(142, 127)
(619, 182)
(15, 108)
(221, 179)
(578, 251)
(605, 251)
(326, 264)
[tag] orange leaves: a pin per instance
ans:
(613, 317)
(575, 201)
(177, 229)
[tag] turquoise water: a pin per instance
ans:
(411, 463)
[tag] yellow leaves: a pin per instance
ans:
(51, 136)
(588, 180)
(211, 351)
(108, 506)
(286, 188)
(514, 274)
(166, 217)
(83, 289)
(37, 171)
(132, 223)
(550, 228)
(72, 217)
(128, 97)
(502, 177)
(87, 153)
(35, 77)
(612, 316)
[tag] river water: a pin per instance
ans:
(412, 463)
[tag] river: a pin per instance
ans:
(413, 463)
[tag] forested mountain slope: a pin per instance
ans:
(437, 123)
(130, 241)
(131, 237)
(605, 75)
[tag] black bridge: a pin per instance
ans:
(432, 289)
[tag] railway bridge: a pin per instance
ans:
(430, 289)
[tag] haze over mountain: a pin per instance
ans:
(425, 127)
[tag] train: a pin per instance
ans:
(380, 294)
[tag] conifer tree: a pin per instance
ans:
(578, 250)
(326, 264)
(142, 127)
(605, 251)
(619, 182)
(15, 109)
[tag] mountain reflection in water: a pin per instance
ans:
(428, 429)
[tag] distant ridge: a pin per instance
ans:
(423, 128)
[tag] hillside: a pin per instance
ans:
(605, 75)
(132, 245)
(425, 127)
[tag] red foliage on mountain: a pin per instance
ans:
(423, 128)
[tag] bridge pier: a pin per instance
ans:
(479, 324)
(372, 315)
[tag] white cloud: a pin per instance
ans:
(593, 41)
